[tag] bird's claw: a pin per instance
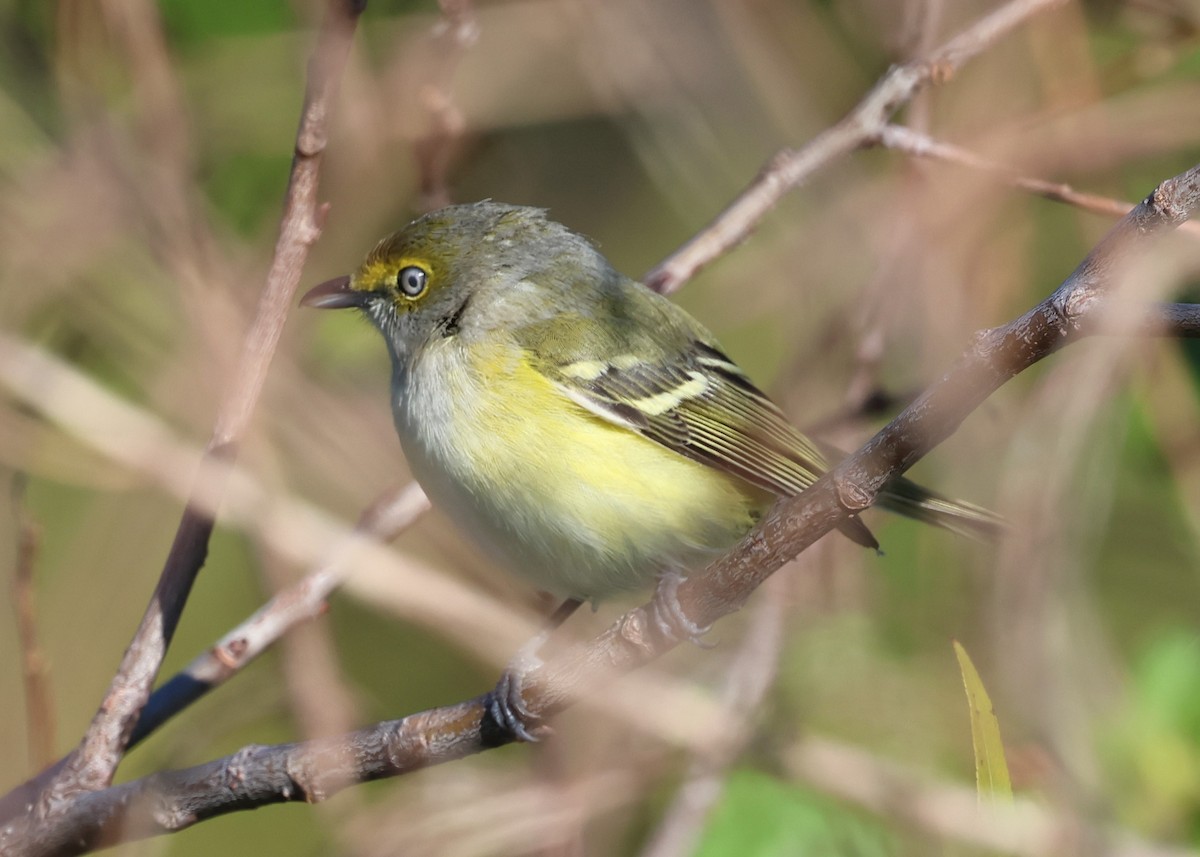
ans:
(668, 616)
(506, 703)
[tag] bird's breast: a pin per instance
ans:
(579, 505)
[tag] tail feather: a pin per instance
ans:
(905, 497)
(855, 530)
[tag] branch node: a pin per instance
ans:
(634, 629)
(321, 215)
(171, 817)
(235, 771)
(304, 779)
(941, 71)
(1063, 307)
(1165, 198)
(230, 655)
(311, 141)
(1079, 305)
(850, 495)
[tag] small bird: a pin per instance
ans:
(584, 430)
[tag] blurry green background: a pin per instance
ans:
(144, 151)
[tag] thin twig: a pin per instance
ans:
(35, 669)
(92, 764)
(790, 168)
(902, 139)
(865, 389)
(453, 36)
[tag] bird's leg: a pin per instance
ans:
(668, 615)
(506, 703)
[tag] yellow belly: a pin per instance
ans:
(578, 505)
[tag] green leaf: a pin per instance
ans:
(760, 816)
(991, 769)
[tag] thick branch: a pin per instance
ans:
(254, 776)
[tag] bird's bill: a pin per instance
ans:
(333, 294)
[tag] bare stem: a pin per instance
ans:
(916, 144)
(453, 36)
(35, 669)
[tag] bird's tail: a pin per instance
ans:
(907, 498)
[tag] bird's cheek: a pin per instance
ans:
(409, 326)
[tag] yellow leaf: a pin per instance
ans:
(991, 769)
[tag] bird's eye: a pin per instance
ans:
(412, 281)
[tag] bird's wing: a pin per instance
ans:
(659, 373)
(697, 402)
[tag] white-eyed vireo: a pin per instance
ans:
(584, 430)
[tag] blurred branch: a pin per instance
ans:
(258, 775)
(320, 701)
(865, 391)
(35, 670)
(953, 812)
(164, 173)
(92, 764)
(750, 675)
(161, 174)
(902, 139)
(790, 168)
(1182, 320)
(453, 35)
(862, 406)
(923, 21)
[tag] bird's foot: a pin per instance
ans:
(506, 703)
(667, 613)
